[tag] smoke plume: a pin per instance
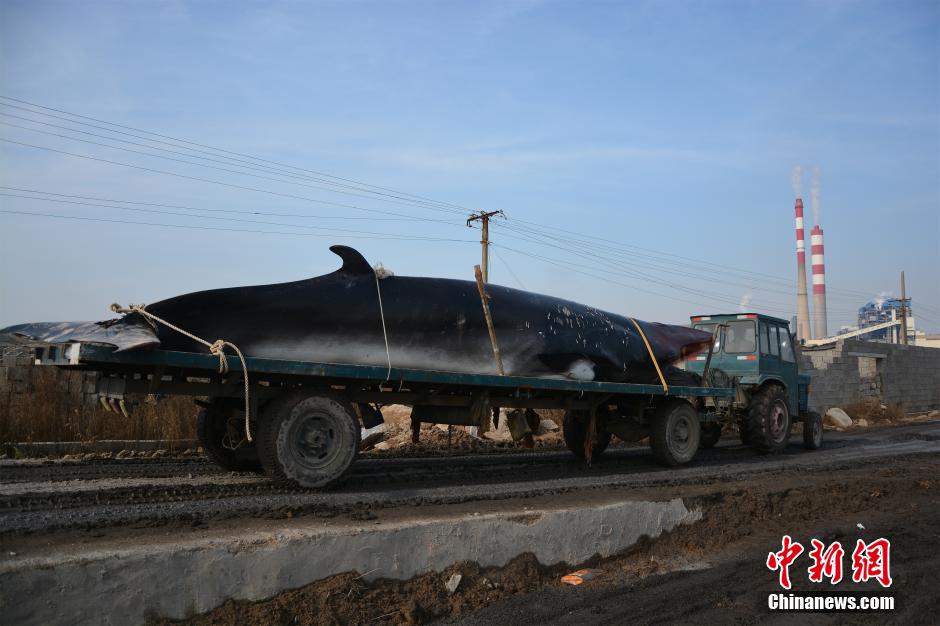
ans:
(796, 179)
(744, 303)
(814, 191)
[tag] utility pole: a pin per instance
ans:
(484, 218)
(903, 311)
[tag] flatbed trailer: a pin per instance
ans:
(306, 417)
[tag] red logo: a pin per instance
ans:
(783, 559)
(869, 560)
(826, 563)
(872, 560)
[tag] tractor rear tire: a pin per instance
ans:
(307, 440)
(812, 431)
(710, 434)
(675, 433)
(575, 427)
(768, 421)
(743, 433)
(212, 427)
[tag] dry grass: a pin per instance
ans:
(873, 410)
(51, 411)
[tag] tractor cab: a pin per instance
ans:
(757, 351)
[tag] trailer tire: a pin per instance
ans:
(768, 421)
(308, 440)
(709, 434)
(675, 433)
(812, 431)
(574, 428)
(211, 429)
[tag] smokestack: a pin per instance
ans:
(819, 283)
(802, 301)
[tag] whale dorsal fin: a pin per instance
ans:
(353, 262)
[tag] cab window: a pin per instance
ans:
(786, 346)
(740, 337)
(774, 342)
(710, 328)
(764, 339)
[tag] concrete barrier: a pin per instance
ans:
(127, 586)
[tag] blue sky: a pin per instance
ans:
(668, 129)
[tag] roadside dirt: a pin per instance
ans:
(710, 571)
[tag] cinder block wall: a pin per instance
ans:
(19, 378)
(853, 370)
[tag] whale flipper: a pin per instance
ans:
(353, 261)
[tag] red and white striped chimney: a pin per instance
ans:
(802, 301)
(819, 283)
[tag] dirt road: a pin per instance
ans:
(711, 570)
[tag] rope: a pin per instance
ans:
(217, 348)
(649, 349)
(388, 354)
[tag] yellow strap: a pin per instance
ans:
(652, 356)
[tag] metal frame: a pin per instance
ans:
(187, 373)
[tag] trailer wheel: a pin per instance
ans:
(215, 435)
(675, 433)
(308, 440)
(574, 428)
(768, 422)
(812, 431)
(710, 433)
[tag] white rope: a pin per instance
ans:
(217, 348)
(388, 354)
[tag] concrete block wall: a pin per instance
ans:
(852, 370)
(20, 378)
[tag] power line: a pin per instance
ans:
(214, 167)
(453, 207)
(214, 182)
(212, 217)
(619, 269)
(241, 212)
(219, 228)
(509, 269)
(567, 266)
(641, 261)
(619, 245)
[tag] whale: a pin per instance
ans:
(363, 316)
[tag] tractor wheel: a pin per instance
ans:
(219, 430)
(743, 433)
(812, 431)
(768, 421)
(710, 434)
(308, 440)
(574, 428)
(675, 432)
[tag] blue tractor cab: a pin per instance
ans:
(758, 354)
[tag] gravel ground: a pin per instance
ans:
(137, 492)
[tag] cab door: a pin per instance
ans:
(770, 362)
(789, 370)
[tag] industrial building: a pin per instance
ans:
(882, 310)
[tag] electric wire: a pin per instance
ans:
(216, 152)
(214, 167)
(234, 230)
(213, 217)
(214, 182)
(237, 211)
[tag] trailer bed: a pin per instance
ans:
(165, 371)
